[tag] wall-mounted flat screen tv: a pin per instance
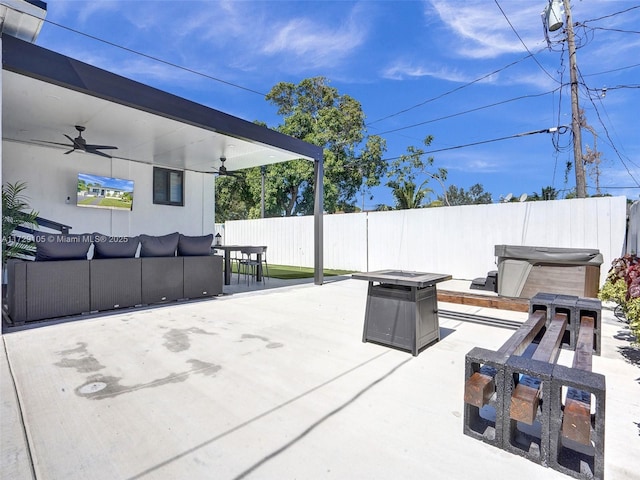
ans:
(96, 191)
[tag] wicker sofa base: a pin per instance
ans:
(43, 290)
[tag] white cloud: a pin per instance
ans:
(313, 45)
(470, 162)
(80, 11)
(405, 69)
(482, 31)
(251, 36)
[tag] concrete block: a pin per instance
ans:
(529, 441)
(485, 423)
(565, 455)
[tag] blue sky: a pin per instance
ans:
(458, 70)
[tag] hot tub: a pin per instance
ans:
(524, 271)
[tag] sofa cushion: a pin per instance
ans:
(114, 247)
(50, 246)
(191, 246)
(163, 246)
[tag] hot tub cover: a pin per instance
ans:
(575, 256)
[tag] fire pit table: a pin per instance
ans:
(402, 308)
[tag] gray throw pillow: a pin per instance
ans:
(50, 246)
(114, 247)
(164, 246)
(192, 246)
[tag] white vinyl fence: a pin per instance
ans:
(455, 240)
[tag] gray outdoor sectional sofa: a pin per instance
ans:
(75, 274)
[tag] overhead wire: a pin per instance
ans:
(556, 144)
(502, 102)
(611, 14)
(561, 128)
(523, 44)
(611, 71)
(618, 30)
(530, 54)
(449, 92)
(156, 59)
(611, 143)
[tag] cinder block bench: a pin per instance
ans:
(513, 396)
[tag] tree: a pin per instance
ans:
(548, 193)
(475, 196)
(318, 114)
(408, 196)
(16, 212)
(404, 173)
(592, 158)
(233, 199)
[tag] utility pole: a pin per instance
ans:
(581, 188)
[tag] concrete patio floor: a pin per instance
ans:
(269, 384)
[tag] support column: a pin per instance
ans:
(318, 213)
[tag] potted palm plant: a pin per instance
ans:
(16, 212)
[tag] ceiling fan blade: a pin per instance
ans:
(100, 147)
(52, 143)
(97, 152)
(70, 151)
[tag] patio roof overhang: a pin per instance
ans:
(45, 94)
(51, 93)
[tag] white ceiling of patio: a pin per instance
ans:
(35, 112)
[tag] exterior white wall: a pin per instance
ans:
(455, 240)
(52, 176)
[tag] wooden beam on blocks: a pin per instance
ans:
(576, 419)
(485, 301)
(526, 396)
(479, 388)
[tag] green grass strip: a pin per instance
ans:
(287, 272)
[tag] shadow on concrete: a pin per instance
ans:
(276, 408)
(631, 352)
(271, 283)
(318, 422)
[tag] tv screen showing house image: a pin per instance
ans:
(96, 191)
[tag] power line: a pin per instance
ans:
(615, 149)
(612, 71)
(151, 57)
(522, 42)
(560, 129)
(450, 91)
(611, 14)
(469, 111)
(618, 30)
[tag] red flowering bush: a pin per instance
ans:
(623, 287)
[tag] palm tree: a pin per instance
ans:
(408, 195)
(16, 213)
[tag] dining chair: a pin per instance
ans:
(251, 259)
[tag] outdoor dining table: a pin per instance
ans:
(227, 249)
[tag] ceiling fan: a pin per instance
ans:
(222, 171)
(80, 144)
